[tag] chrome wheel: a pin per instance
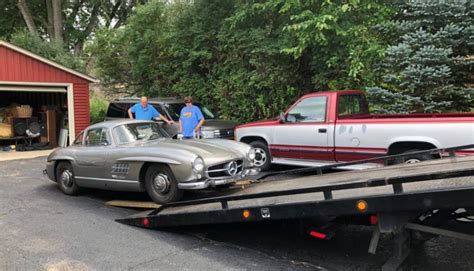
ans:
(161, 183)
(260, 157)
(67, 178)
(412, 161)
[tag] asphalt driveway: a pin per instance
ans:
(42, 229)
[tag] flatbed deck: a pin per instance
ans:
(429, 177)
(397, 199)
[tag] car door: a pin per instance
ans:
(92, 156)
(303, 134)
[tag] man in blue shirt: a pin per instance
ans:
(190, 119)
(144, 111)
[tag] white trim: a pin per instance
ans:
(70, 113)
(48, 62)
(70, 98)
(38, 84)
(33, 89)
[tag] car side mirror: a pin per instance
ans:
(282, 117)
(290, 118)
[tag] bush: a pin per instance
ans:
(98, 109)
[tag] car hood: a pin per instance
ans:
(212, 151)
(260, 123)
(218, 124)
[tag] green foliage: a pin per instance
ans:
(10, 20)
(383, 101)
(246, 60)
(98, 109)
(429, 61)
(51, 50)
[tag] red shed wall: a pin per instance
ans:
(18, 67)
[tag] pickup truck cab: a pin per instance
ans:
(328, 127)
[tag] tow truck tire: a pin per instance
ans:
(66, 179)
(161, 185)
(263, 158)
(412, 159)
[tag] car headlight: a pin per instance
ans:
(251, 154)
(198, 164)
(207, 133)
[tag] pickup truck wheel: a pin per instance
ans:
(262, 155)
(161, 185)
(413, 159)
(65, 179)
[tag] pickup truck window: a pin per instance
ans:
(352, 104)
(312, 109)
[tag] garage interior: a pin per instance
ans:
(33, 118)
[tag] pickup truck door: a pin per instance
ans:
(304, 132)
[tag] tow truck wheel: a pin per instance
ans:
(161, 185)
(65, 179)
(262, 155)
(412, 159)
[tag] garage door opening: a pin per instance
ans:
(35, 117)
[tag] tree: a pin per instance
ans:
(53, 50)
(239, 57)
(430, 61)
(70, 22)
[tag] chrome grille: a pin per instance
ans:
(227, 169)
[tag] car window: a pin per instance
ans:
(174, 110)
(160, 109)
(117, 110)
(351, 105)
(97, 137)
(133, 132)
(79, 139)
(312, 109)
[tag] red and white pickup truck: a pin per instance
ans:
(328, 127)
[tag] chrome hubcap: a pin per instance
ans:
(66, 178)
(161, 183)
(412, 161)
(260, 157)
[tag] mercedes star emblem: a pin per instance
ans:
(232, 168)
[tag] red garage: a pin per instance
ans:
(41, 95)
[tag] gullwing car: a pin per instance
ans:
(134, 155)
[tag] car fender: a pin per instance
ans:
(60, 157)
(149, 159)
(251, 133)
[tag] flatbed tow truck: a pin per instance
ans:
(410, 201)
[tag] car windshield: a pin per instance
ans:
(133, 132)
(174, 109)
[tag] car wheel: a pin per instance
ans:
(263, 159)
(65, 179)
(413, 159)
(161, 185)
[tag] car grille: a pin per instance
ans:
(225, 133)
(227, 169)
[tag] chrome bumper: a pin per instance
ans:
(216, 182)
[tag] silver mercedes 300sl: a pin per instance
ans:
(133, 155)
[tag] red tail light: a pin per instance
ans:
(374, 220)
(319, 235)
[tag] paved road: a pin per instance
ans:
(40, 228)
